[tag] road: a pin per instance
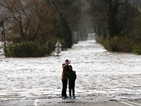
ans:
(68, 102)
(101, 76)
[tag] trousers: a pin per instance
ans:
(71, 88)
(64, 88)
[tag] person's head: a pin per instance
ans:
(70, 67)
(67, 61)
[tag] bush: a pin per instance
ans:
(27, 49)
(33, 48)
(118, 44)
(136, 49)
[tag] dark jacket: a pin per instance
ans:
(71, 75)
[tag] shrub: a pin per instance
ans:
(27, 49)
(33, 48)
(118, 44)
(136, 49)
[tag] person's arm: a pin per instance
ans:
(63, 65)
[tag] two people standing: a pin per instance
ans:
(68, 74)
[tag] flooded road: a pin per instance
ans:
(99, 74)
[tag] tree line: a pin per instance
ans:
(38, 24)
(117, 25)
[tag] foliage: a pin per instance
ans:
(65, 32)
(112, 17)
(27, 49)
(38, 21)
(118, 44)
(126, 43)
(136, 49)
(69, 15)
(33, 48)
(31, 20)
(136, 35)
(136, 31)
(117, 25)
(69, 9)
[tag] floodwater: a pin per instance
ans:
(99, 74)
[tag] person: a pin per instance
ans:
(71, 75)
(65, 67)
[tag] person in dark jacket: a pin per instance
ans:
(65, 67)
(71, 75)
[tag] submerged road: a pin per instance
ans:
(104, 78)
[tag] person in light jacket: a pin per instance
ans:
(71, 75)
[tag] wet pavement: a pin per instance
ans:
(80, 101)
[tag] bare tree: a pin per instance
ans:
(30, 19)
